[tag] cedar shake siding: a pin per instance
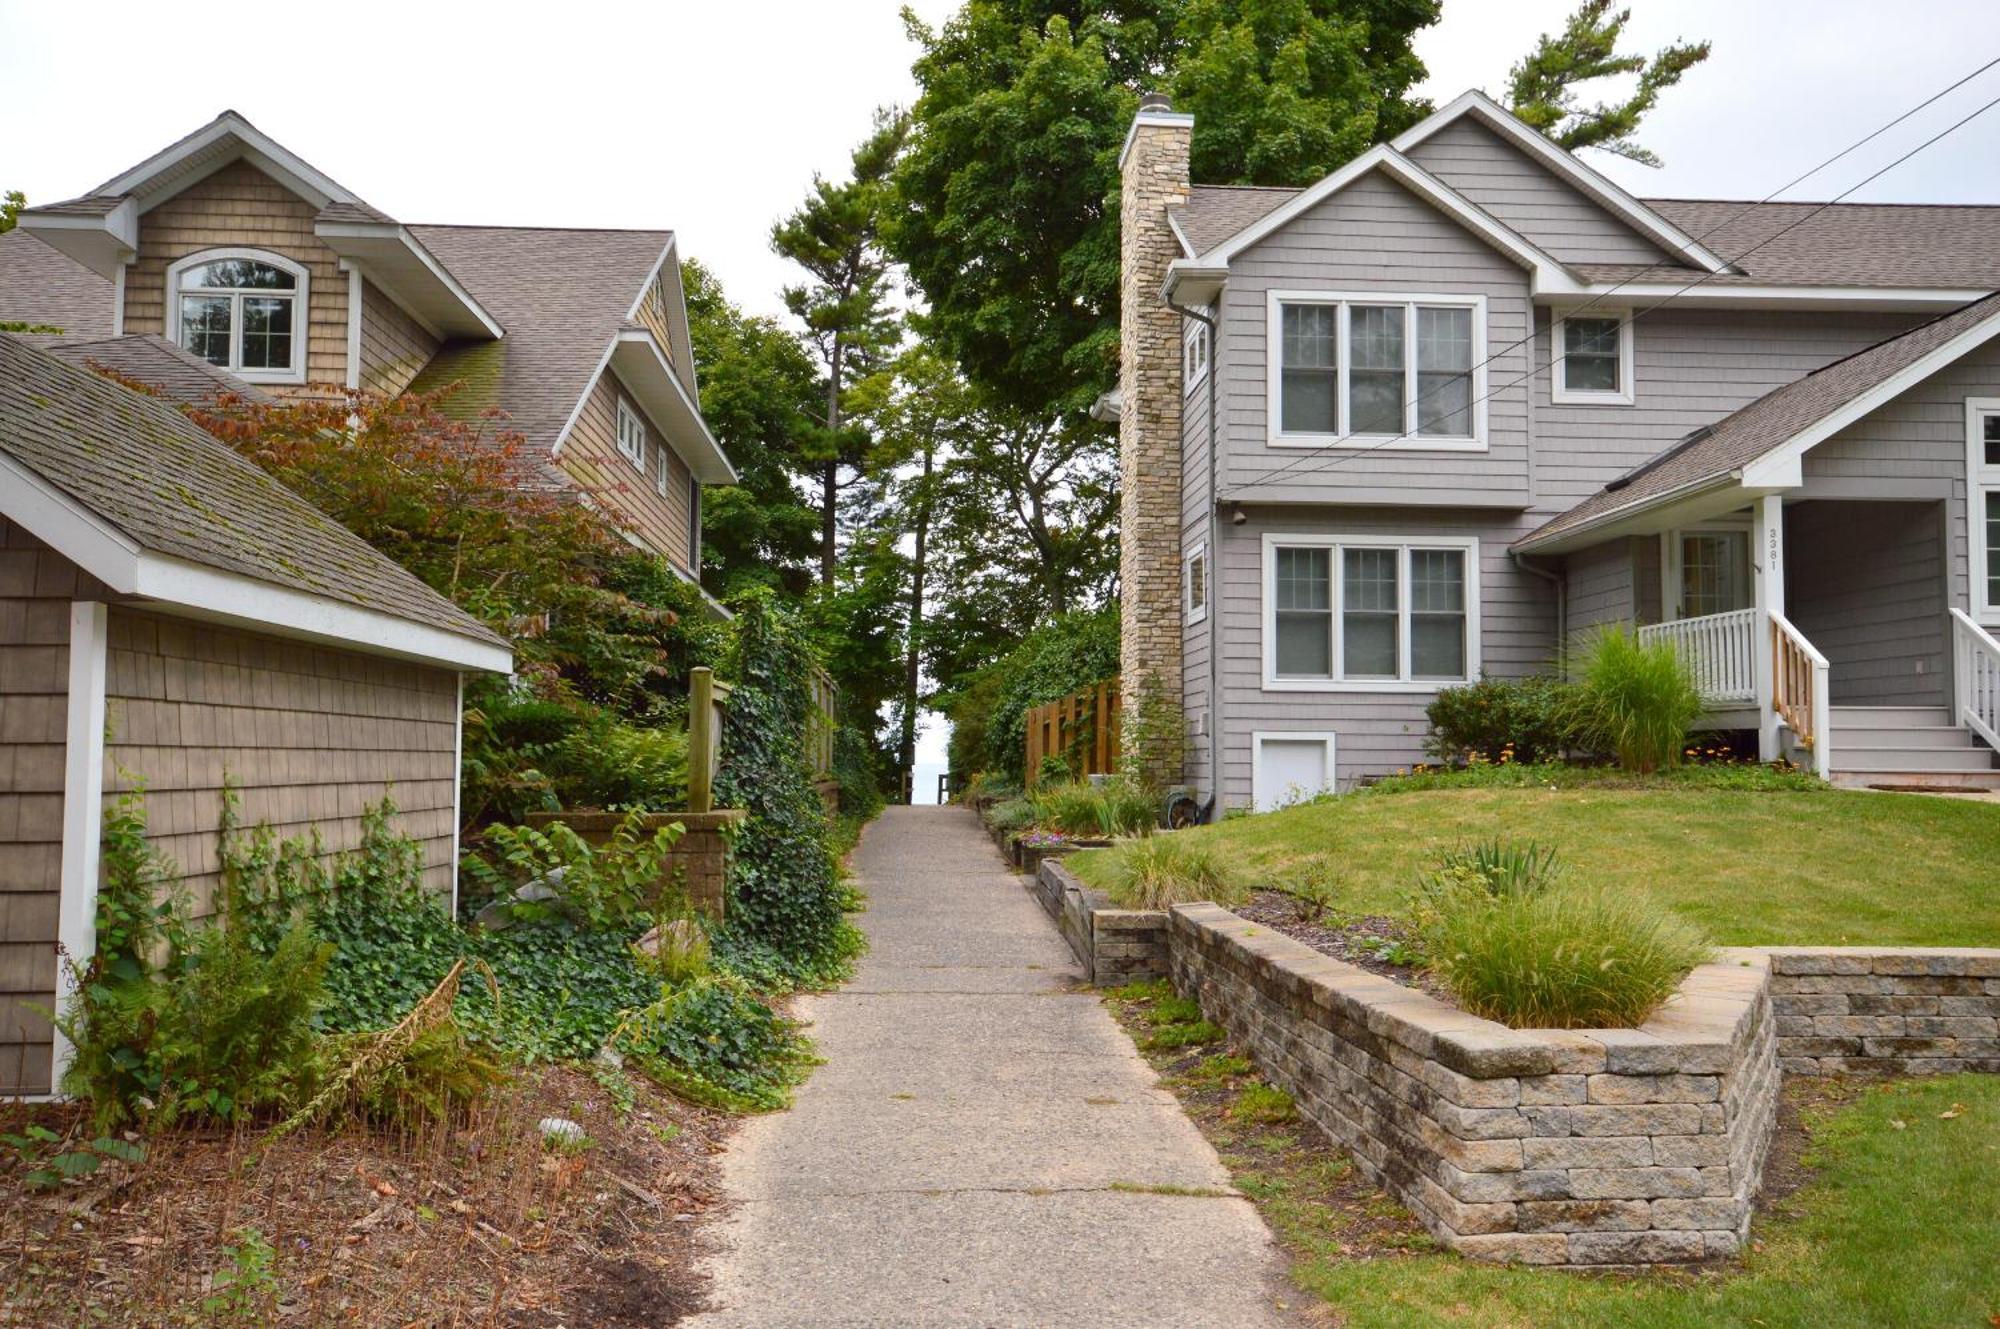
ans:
(36, 585)
(309, 735)
(239, 207)
(653, 315)
(394, 346)
(590, 456)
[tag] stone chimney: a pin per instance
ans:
(1154, 173)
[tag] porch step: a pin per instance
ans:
(1890, 717)
(1851, 779)
(1910, 759)
(1929, 737)
(1908, 745)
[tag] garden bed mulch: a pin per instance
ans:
(474, 1224)
(1364, 941)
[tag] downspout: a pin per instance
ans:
(1214, 615)
(1561, 584)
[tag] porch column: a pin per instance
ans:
(1767, 567)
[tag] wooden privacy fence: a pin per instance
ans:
(1081, 728)
(820, 723)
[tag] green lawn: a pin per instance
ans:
(1899, 1227)
(1752, 866)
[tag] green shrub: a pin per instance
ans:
(1633, 700)
(172, 1020)
(613, 886)
(1172, 868)
(787, 908)
(1108, 807)
(714, 1042)
(1499, 720)
(857, 767)
(989, 712)
(1558, 959)
(1015, 814)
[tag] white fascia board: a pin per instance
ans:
(1697, 500)
(1191, 283)
(1171, 119)
(642, 367)
(103, 243)
(1565, 164)
(178, 586)
(652, 275)
(397, 261)
(269, 156)
(1782, 466)
(1743, 295)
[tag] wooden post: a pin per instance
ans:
(702, 739)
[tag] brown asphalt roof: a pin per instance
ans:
(561, 294)
(1774, 419)
(42, 285)
(1213, 213)
(140, 465)
(167, 369)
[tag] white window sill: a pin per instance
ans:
(1378, 443)
(1566, 397)
(1416, 688)
(265, 375)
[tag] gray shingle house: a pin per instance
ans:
(171, 617)
(1468, 398)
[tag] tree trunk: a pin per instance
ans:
(911, 661)
(829, 484)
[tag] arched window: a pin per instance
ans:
(242, 310)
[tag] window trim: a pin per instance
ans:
(662, 470)
(1560, 393)
(1196, 613)
(1259, 737)
(300, 295)
(1980, 480)
(1196, 333)
(1279, 437)
(626, 411)
(1403, 543)
(1672, 555)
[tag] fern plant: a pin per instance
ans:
(610, 886)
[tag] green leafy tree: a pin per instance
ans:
(759, 395)
(11, 204)
(1008, 219)
(1542, 88)
(836, 237)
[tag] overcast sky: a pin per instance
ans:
(711, 118)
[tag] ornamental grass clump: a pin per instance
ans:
(1104, 808)
(1515, 940)
(1156, 871)
(1635, 700)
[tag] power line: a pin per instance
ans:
(1299, 465)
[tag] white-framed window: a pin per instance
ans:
(1195, 348)
(631, 436)
(1706, 570)
(1197, 583)
(663, 471)
(1982, 504)
(243, 310)
(1373, 370)
(1593, 358)
(1290, 766)
(1370, 613)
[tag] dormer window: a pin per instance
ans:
(242, 311)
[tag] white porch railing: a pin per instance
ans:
(1799, 692)
(1717, 649)
(1976, 677)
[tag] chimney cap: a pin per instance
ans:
(1155, 101)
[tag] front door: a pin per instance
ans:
(1715, 573)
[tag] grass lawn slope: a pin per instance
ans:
(1769, 866)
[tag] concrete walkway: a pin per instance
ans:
(965, 1156)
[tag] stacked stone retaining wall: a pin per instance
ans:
(1113, 945)
(1874, 1010)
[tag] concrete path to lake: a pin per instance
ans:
(984, 1146)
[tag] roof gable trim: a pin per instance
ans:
(264, 152)
(1566, 165)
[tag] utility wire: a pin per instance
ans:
(1299, 465)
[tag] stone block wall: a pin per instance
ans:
(700, 857)
(1113, 945)
(1875, 1010)
(1598, 1147)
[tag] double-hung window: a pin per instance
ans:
(241, 310)
(1982, 498)
(1369, 612)
(1376, 371)
(631, 436)
(1197, 583)
(1593, 358)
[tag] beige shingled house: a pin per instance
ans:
(234, 249)
(170, 616)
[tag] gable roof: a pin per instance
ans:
(166, 368)
(146, 501)
(40, 284)
(1761, 442)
